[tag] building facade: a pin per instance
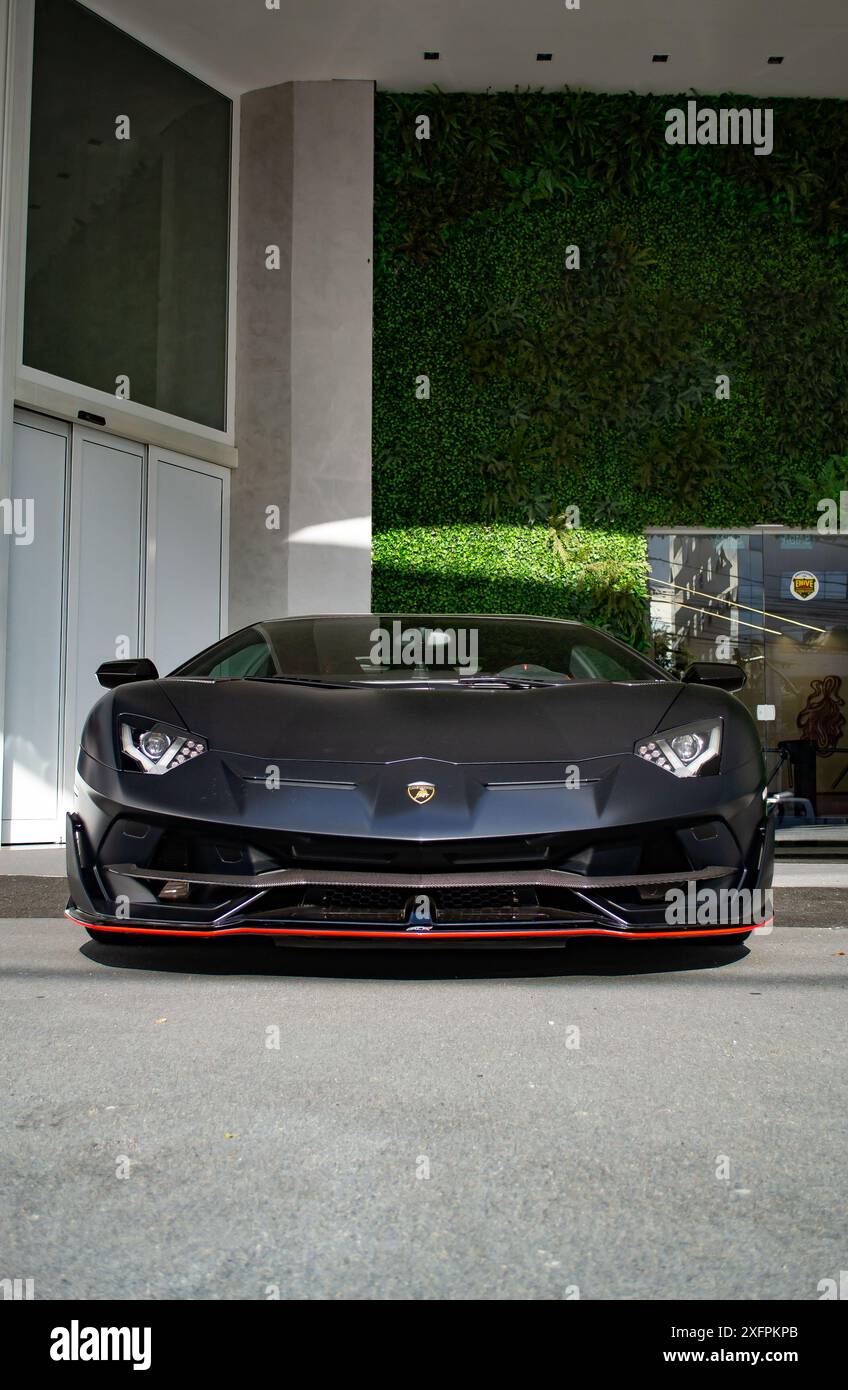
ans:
(185, 368)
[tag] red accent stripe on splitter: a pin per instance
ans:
(424, 936)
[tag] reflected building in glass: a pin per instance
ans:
(775, 601)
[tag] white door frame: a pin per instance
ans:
(49, 425)
(76, 437)
(157, 455)
(80, 436)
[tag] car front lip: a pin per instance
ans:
(83, 911)
(313, 936)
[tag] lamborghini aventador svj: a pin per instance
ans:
(388, 779)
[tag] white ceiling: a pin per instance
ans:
(713, 45)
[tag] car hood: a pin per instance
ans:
(375, 724)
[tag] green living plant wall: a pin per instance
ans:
(688, 366)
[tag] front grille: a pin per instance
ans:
(387, 856)
(482, 899)
(343, 897)
(583, 852)
(354, 899)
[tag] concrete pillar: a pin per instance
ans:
(259, 555)
(303, 393)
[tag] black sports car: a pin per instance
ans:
(387, 779)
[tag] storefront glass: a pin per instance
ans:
(776, 602)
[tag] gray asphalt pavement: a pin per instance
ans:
(303, 1167)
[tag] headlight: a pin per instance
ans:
(159, 749)
(154, 743)
(691, 751)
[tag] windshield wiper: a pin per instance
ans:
(516, 682)
(303, 680)
(510, 682)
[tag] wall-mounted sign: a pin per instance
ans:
(803, 585)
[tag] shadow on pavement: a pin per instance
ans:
(412, 963)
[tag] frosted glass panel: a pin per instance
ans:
(32, 765)
(188, 563)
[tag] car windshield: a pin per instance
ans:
(382, 648)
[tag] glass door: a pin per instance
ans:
(807, 679)
(776, 602)
(707, 603)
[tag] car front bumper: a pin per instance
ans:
(511, 907)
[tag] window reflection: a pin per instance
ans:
(776, 603)
(127, 238)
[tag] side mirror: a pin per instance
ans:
(726, 675)
(115, 673)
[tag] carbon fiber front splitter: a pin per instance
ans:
(408, 937)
